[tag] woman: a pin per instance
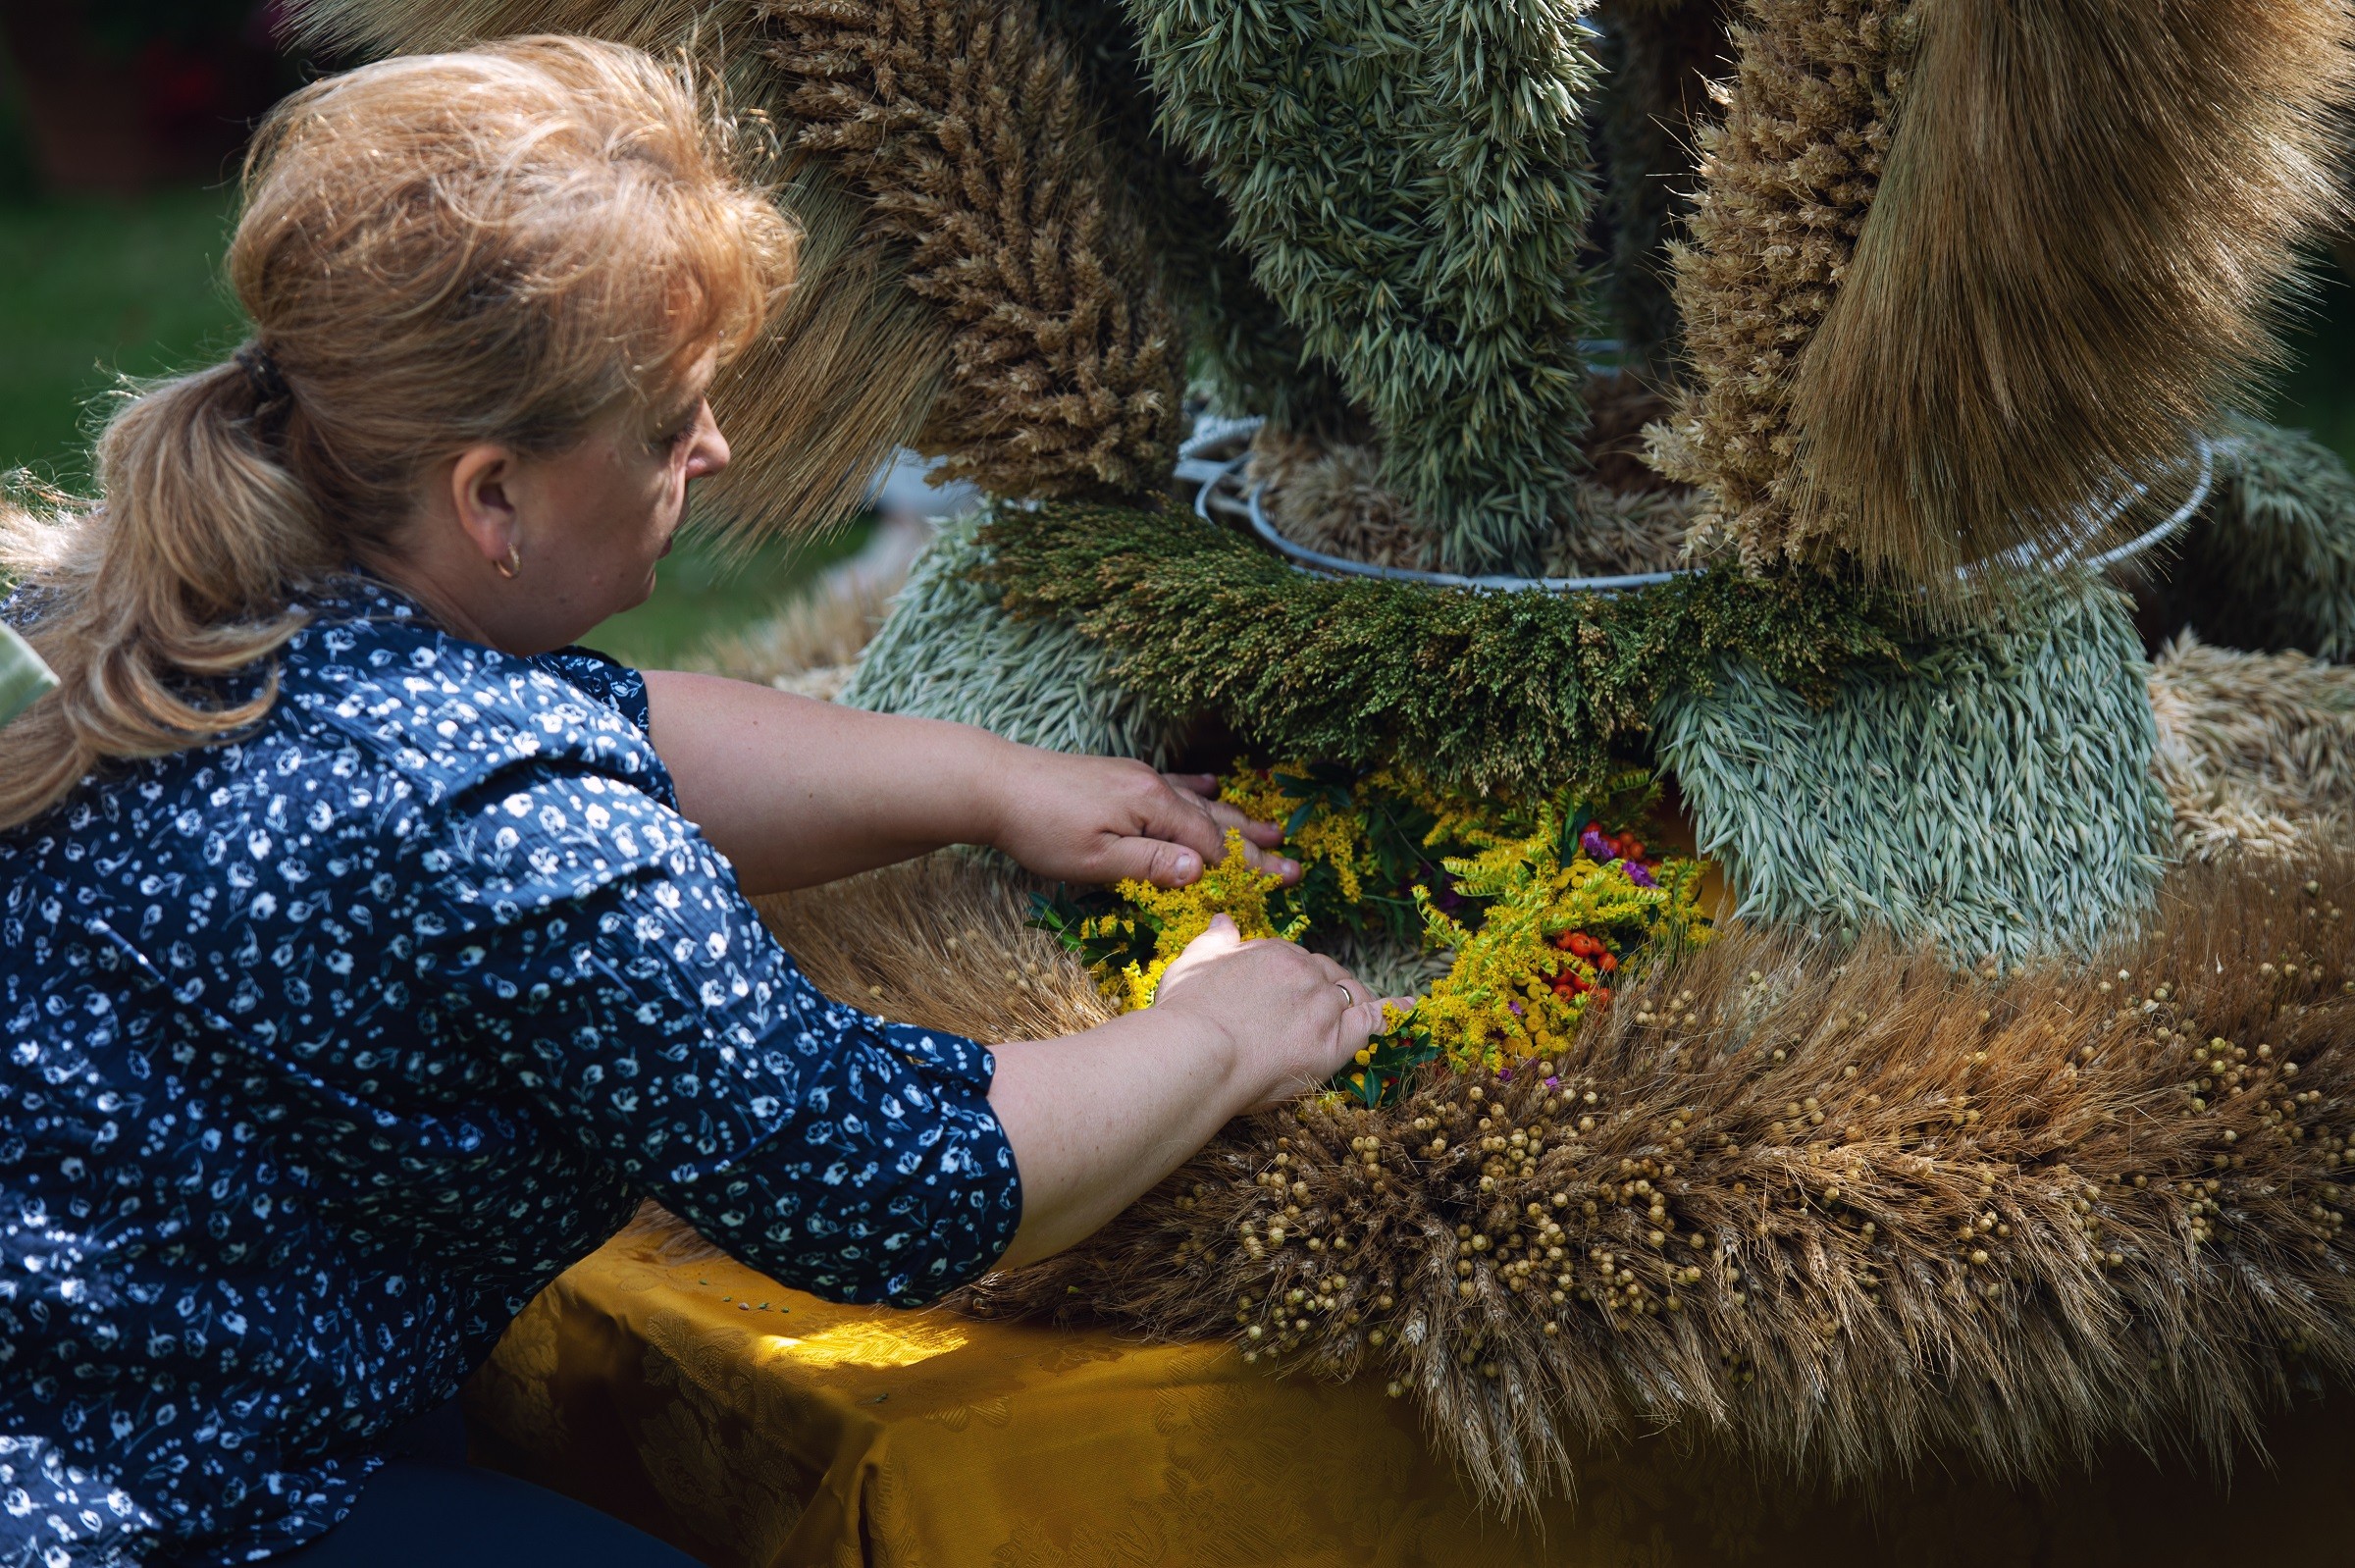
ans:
(366, 953)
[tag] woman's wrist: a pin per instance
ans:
(1213, 1041)
(988, 772)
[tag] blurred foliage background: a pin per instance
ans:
(120, 125)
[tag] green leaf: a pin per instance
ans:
(23, 677)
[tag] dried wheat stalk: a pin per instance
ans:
(2256, 751)
(1786, 182)
(967, 128)
(1041, 359)
(2085, 227)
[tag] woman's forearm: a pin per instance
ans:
(1096, 1119)
(796, 792)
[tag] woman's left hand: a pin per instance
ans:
(1099, 820)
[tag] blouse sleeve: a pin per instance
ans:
(599, 949)
(609, 681)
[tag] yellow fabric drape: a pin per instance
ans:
(756, 1426)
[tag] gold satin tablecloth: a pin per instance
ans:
(755, 1426)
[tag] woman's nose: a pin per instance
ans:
(709, 454)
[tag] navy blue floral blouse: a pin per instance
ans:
(323, 1051)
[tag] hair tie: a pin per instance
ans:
(262, 373)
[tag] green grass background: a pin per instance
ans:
(2317, 393)
(95, 290)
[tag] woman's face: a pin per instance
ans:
(529, 553)
(596, 519)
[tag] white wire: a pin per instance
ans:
(1209, 433)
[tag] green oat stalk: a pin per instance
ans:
(1412, 183)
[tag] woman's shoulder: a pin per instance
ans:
(370, 672)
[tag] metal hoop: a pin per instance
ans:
(1214, 474)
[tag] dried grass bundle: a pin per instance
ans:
(942, 942)
(354, 27)
(1786, 182)
(810, 645)
(1844, 1214)
(852, 372)
(1333, 498)
(2256, 751)
(2085, 229)
(1621, 516)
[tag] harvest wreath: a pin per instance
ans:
(2008, 1114)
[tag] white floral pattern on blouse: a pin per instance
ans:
(323, 1051)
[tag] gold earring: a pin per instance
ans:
(512, 564)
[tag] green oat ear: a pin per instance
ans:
(1994, 801)
(1412, 184)
(2272, 564)
(23, 678)
(950, 651)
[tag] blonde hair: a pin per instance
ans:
(500, 245)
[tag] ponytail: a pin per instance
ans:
(182, 573)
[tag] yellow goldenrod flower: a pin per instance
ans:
(1536, 942)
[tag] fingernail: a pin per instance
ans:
(1188, 868)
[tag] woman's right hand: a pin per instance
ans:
(1097, 1118)
(1293, 1018)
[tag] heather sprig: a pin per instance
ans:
(1519, 692)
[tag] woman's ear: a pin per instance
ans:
(480, 485)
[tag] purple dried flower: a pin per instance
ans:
(1591, 842)
(1444, 895)
(1516, 1006)
(1553, 1083)
(1638, 875)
